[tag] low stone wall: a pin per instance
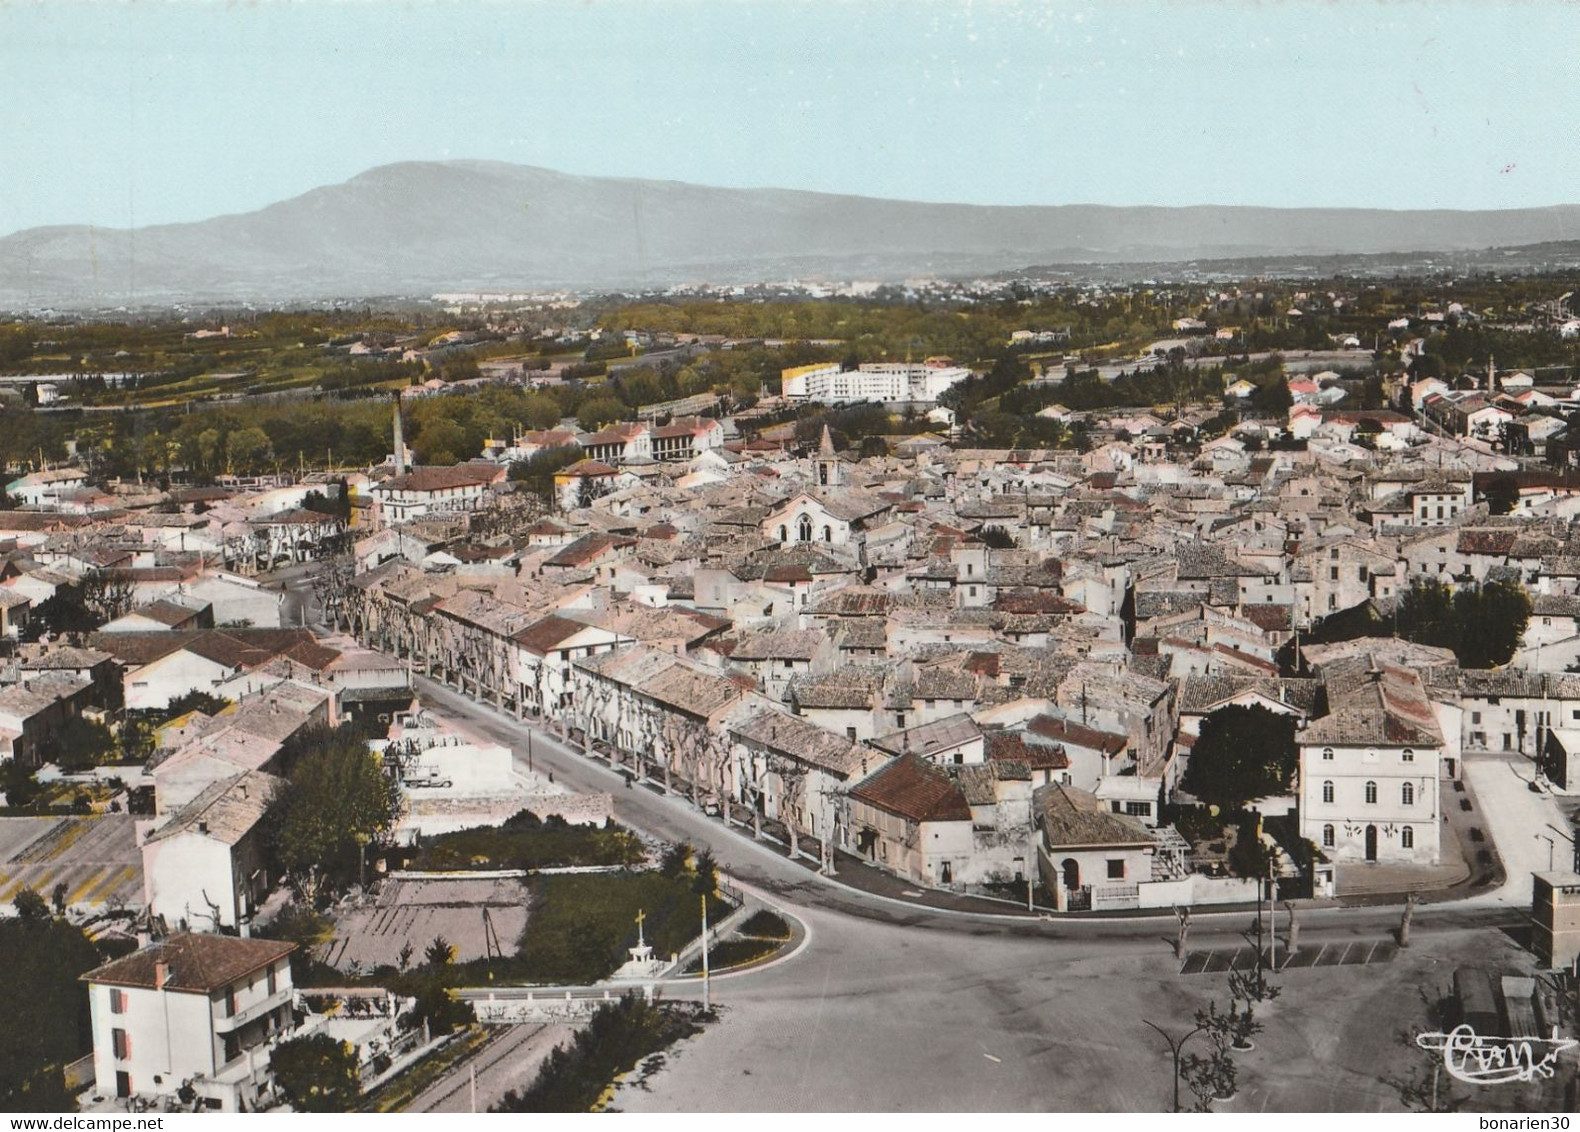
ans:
(548, 1007)
(577, 809)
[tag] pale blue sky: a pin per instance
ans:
(147, 112)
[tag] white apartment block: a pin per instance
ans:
(876, 381)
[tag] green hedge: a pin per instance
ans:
(523, 842)
(574, 1077)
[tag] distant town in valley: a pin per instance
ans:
(1173, 681)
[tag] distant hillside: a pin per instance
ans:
(416, 228)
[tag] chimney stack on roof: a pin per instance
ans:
(161, 974)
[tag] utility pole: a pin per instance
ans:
(707, 996)
(529, 750)
(1260, 955)
(1031, 869)
(1272, 910)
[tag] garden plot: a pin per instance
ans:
(466, 911)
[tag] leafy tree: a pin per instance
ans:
(108, 594)
(1492, 620)
(1242, 753)
(83, 743)
(1502, 494)
(676, 859)
(707, 873)
(42, 958)
(1482, 624)
(18, 783)
(336, 800)
(540, 411)
(1273, 397)
(207, 446)
(317, 1073)
(247, 449)
(30, 906)
(16, 345)
(1250, 855)
(439, 953)
(195, 700)
(997, 538)
(600, 411)
(1427, 616)
(536, 472)
(435, 1005)
(441, 442)
(460, 367)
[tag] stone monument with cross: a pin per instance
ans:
(641, 965)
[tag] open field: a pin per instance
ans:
(96, 858)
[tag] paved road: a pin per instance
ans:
(674, 818)
(1530, 831)
(891, 1007)
(299, 606)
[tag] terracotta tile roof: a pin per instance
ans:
(44, 521)
(793, 644)
(939, 735)
(1066, 731)
(1011, 746)
(542, 637)
(230, 647)
(802, 741)
(196, 964)
(1495, 542)
(1269, 618)
(587, 548)
(226, 811)
(589, 468)
(167, 613)
(1072, 819)
(915, 789)
(426, 479)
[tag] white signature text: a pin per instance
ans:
(1478, 1060)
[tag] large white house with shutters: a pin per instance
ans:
(192, 1011)
(1369, 769)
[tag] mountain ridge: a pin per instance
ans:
(420, 227)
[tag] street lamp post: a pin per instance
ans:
(1551, 844)
(1176, 1047)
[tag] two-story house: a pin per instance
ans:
(196, 1011)
(1369, 768)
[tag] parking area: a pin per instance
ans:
(471, 913)
(1355, 953)
(95, 857)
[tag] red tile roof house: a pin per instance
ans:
(191, 1010)
(160, 667)
(1089, 857)
(911, 817)
(426, 490)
